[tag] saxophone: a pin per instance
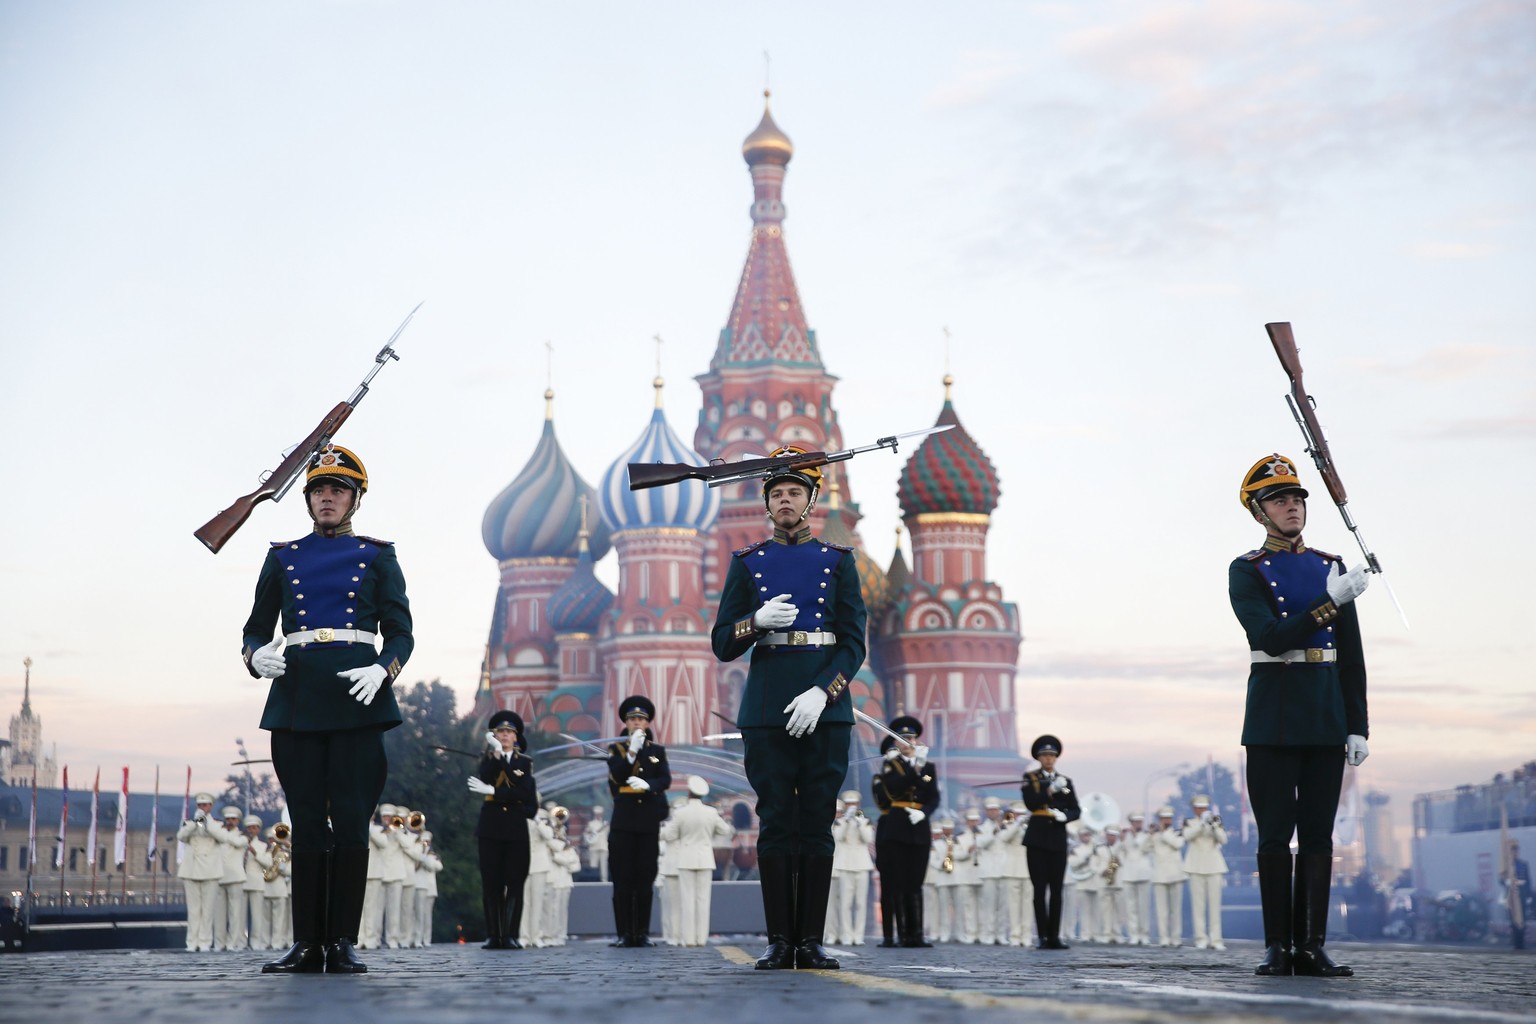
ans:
(948, 865)
(280, 853)
(1113, 868)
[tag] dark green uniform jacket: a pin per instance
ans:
(637, 810)
(898, 787)
(506, 812)
(341, 582)
(1279, 594)
(1042, 829)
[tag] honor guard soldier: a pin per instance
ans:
(1306, 711)
(795, 603)
(330, 702)
(638, 779)
(907, 792)
(1052, 803)
(504, 781)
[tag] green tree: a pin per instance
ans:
(1220, 784)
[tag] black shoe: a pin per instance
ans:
(811, 896)
(511, 944)
(911, 920)
(779, 956)
(810, 955)
(341, 958)
(640, 941)
(620, 942)
(493, 943)
(301, 958)
(887, 943)
(1276, 963)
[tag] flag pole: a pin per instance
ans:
(95, 833)
(154, 839)
(31, 846)
(63, 848)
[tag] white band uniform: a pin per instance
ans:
(1307, 656)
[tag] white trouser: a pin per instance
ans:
(1111, 914)
(601, 857)
(281, 908)
(424, 901)
(255, 909)
(667, 893)
(693, 892)
(372, 928)
(407, 914)
(1169, 901)
(992, 916)
(933, 913)
(950, 912)
(202, 904)
(1205, 908)
(1019, 894)
(1136, 912)
(392, 922)
(852, 906)
(970, 912)
(1086, 919)
(229, 925)
(829, 927)
(557, 914)
(531, 925)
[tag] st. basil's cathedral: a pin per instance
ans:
(564, 650)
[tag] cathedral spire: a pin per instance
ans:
(26, 692)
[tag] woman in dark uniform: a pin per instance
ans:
(1052, 804)
(907, 791)
(505, 780)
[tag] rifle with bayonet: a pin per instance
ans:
(1304, 409)
(217, 531)
(720, 472)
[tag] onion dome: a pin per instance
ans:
(578, 604)
(949, 472)
(690, 504)
(873, 585)
(537, 515)
(767, 144)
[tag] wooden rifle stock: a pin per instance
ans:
(215, 533)
(1302, 408)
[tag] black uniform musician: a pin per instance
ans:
(638, 778)
(330, 703)
(1305, 715)
(1052, 803)
(907, 792)
(505, 781)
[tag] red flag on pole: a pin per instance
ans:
(58, 852)
(90, 837)
(154, 824)
(181, 847)
(120, 834)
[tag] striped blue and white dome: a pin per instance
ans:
(539, 514)
(691, 503)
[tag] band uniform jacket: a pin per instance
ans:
(340, 582)
(206, 844)
(1203, 840)
(636, 810)
(899, 786)
(1279, 594)
(1167, 865)
(505, 813)
(823, 584)
(690, 835)
(852, 834)
(1043, 830)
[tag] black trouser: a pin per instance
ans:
(1295, 790)
(901, 866)
(503, 870)
(632, 863)
(1047, 868)
(796, 782)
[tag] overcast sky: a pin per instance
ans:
(214, 213)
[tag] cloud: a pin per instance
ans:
(1448, 251)
(1491, 428)
(1444, 363)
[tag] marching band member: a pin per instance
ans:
(1207, 870)
(277, 875)
(372, 925)
(1018, 893)
(666, 881)
(200, 871)
(968, 872)
(1168, 878)
(851, 866)
(504, 780)
(561, 881)
(906, 790)
(426, 889)
(1088, 863)
(1136, 876)
(992, 916)
(1052, 802)
(229, 918)
(253, 890)
(690, 835)
(541, 861)
(1111, 895)
(595, 838)
(638, 779)
(409, 840)
(946, 885)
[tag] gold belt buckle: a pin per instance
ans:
(798, 638)
(325, 636)
(1314, 655)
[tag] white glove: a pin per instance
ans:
(1348, 586)
(1355, 750)
(636, 741)
(914, 815)
(492, 742)
(1058, 784)
(636, 782)
(892, 754)
(776, 613)
(1059, 814)
(805, 711)
(365, 681)
(480, 786)
(919, 755)
(268, 661)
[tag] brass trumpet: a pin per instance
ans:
(396, 821)
(281, 831)
(417, 821)
(948, 864)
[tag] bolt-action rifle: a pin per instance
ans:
(217, 531)
(719, 472)
(1304, 409)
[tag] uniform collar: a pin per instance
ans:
(344, 530)
(1273, 543)
(800, 535)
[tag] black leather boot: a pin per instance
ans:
(912, 922)
(812, 892)
(1314, 877)
(887, 919)
(512, 920)
(1275, 898)
(778, 890)
(621, 911)
(344, 911)
(307, 954)
(641, 922)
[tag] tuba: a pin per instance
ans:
(1100, 811)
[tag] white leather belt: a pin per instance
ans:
(1309, 656)
(331, 636)
(797, 638)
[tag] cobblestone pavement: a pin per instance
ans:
(587, 981)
